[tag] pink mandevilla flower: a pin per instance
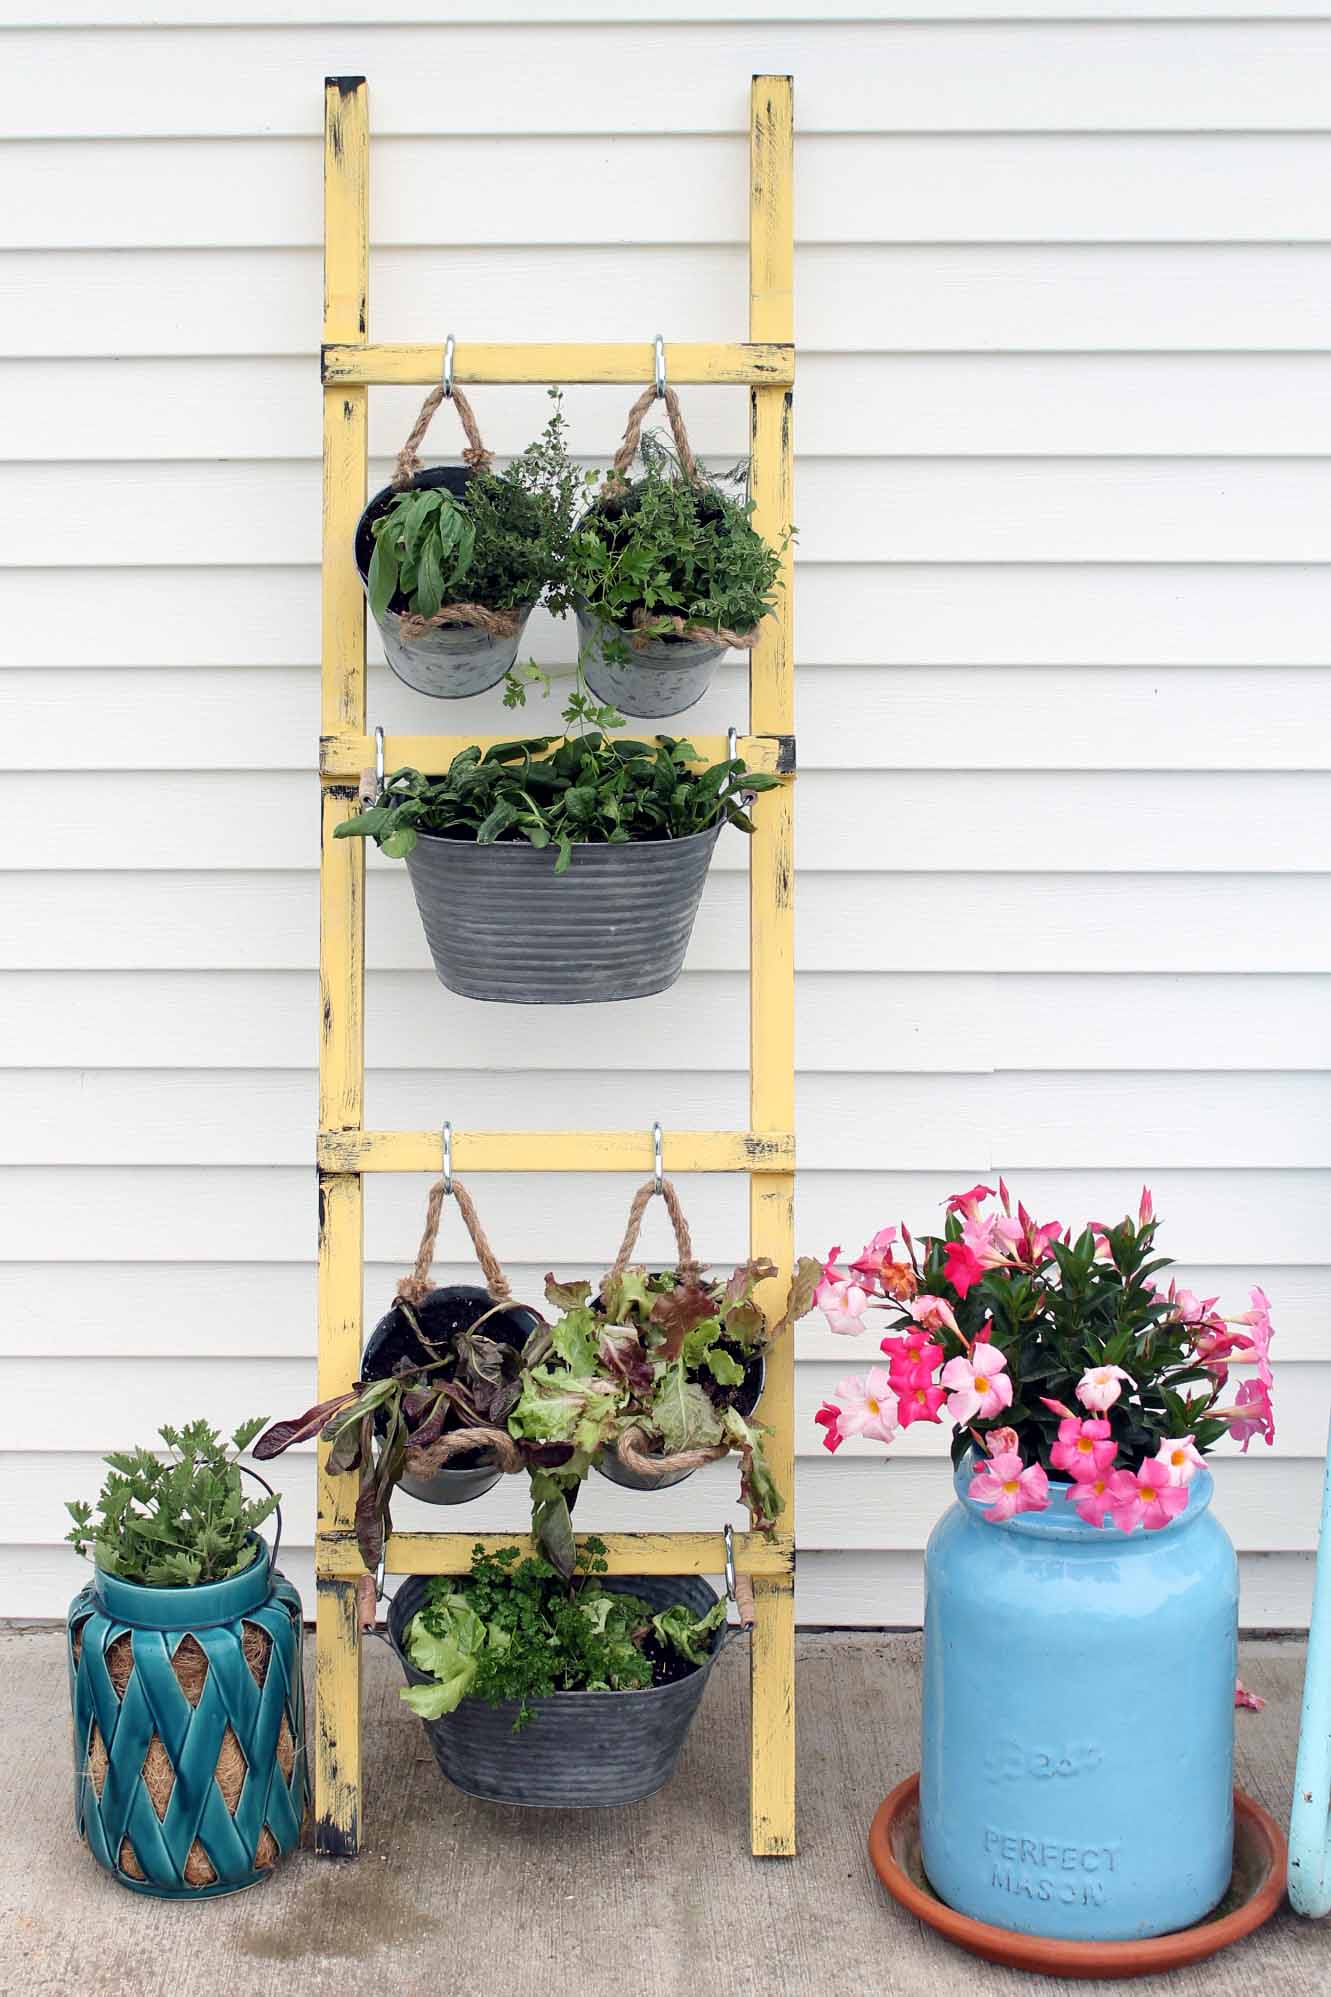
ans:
(1251, 1414)
(979, 1385)
(1145, 1497)
(869, 1262)
(1100, 1386)
(1181, 1458)
(967, 1204)
(1090, 1496)
(1258, 1328)
(932, 1314)
(841, 1301)
(829, 1419)
(962, 1266)
(1005, 1488)
(868, 1405)
(1001, 1441)
(1083, 1449)
(918, 1396)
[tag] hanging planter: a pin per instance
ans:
(666, 573)
(560, 872)
(188, 1703)
(653, 1377)
(439, 1374)
(453, 559)
(1081, 1552)
(497, 1666)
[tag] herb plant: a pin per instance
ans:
(515, 1630)
(500, 543)
(437, 1380)
(666, 548)
(665, 1354)
(1054, 1355)
(175, 1523)
(560, 792)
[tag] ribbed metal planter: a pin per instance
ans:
(189, 1730)
(660, 676)
(456, 659)
(608, 1465)
(501, 924)
(581, 1750)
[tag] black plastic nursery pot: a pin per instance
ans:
(502, 925)
(580, 1750)
(747, 1396)
(446, 1311)
(456, 659)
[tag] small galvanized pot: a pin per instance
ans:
(502, 925)
(581, 1750)
(456, 659)
(656, 676)
(189, 1730)
(445, 1311)
(608, 1463)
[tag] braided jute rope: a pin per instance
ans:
(679, 627)
(632, 1447)
(436, 1455)
(408, 458)
(688, 1264)
(416, 1287)
(495, 623)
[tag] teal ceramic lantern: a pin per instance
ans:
(189, 1729)
(1077, 1770)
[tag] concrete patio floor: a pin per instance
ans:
(453, 1898)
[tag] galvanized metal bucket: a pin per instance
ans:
(456, 659)
(502, 925)
(656, 676)
(581, 1750)
(607, 1463)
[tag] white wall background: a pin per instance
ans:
(1064, 643)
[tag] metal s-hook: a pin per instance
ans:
(378, 762)
(658, 1160)
(659, 365)
(731, 1577)
(746, 797)
(446, 378)
(447, 1135)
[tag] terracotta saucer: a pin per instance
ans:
(1255, 1892)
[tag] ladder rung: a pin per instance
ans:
(557, 1151)
(344, 755)
(741, 363)
(758, 1553)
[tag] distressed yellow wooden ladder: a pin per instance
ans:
(346, 1150)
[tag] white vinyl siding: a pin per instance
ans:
(1064, 679)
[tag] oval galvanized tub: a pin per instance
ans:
(581, 1750)
(502, 925)
(608, 1464)
(661, 676)
(457, 659)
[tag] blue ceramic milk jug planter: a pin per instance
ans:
(189, 1733)
(1078, 1737)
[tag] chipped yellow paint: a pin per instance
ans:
(757, 1553)
(733, 362)
(765, 363)
(558, 1151)
(341, 944)
(772, 940)
(346, 754)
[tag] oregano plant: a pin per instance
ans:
(175, 1521)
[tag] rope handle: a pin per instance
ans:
(628, 449)
(688, 1264)
(633, 1453)
(408, 458)
(425, 1462)
(416, 1287)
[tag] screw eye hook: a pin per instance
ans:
(658, 1173)
(447, 376)
(659, 365)
(447, 1135)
